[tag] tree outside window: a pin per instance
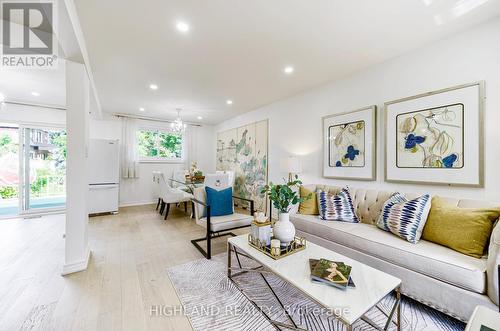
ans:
(159, 145)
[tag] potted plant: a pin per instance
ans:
(283, 198)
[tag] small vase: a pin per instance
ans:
(284, 229)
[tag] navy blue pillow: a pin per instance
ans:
(220, 202)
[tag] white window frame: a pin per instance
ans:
(158, 159)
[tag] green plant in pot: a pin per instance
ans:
(283, 198)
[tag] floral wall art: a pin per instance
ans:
(349, 144)
(431, 138)
(244, 150)
(436, 137)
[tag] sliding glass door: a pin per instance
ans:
(44, 169)
(9, 170)
(32, 169)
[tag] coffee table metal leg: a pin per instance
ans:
(276, 324)
(279, 301)
(398, 298)
(229, 250)
(396, 309)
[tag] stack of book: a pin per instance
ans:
(333, 273)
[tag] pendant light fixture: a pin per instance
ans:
(178, 126)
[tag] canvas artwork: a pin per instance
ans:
(431, 138)
(244, 151)
(347, 145)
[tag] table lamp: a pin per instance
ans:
(291, 165)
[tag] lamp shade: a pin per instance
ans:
(291, 164)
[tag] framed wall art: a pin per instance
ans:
(244, 150)
(436, 137)
(349, 148)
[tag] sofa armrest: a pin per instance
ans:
(492, 267)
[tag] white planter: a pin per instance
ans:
(284, 229)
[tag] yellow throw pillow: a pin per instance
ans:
(310, 206)
(465, 230)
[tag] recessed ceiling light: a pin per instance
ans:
(199, 117)
(288, 70)
(36, 94)
(229, 102)
(153, 86)
(182, 26)
(142, 109)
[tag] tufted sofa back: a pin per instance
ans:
(368, 203)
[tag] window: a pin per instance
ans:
(159, 145)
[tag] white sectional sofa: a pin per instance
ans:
(435, 275)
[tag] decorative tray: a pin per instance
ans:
(297, 245)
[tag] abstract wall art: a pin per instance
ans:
(244, 150)
(431, 138)
(349, 144)
(436, 137)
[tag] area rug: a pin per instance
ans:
(212, 302)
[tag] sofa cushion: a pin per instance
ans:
(405, 218)
(424, 257)
(336, 207)
(221, 223)
(466, 230)
(310, 205)
(220, 201)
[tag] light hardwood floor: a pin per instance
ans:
(126, 276)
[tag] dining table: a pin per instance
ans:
(190, 185)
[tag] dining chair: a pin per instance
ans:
(179, 176)
(156, 187)
(217, 226)
(230, 173)
(217, 181)
(170, 195)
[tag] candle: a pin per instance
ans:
(275, 247)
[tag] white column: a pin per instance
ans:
(77, 126)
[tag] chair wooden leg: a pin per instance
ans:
(162, 207)
(168, 209)
(185, 206)
(158, 204)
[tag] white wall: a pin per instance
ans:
(77, 251)
(295, 123)
(141, 190)
(19, 114)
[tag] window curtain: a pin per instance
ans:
(191, 136)
(130, 155)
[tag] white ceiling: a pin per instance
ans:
(17, 85)
(237, 49)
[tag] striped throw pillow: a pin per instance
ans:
(336, 207)
(405, 218)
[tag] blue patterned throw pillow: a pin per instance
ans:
(336, 207)
(405, 218)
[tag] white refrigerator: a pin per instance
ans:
(104, 175)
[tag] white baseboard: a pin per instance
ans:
(77, 266)
(137, 203)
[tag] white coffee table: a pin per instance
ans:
(348, 305)
(483, 316)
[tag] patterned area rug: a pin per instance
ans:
(212, 302)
